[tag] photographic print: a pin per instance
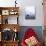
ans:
(30, 12)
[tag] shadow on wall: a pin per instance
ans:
(37, 29)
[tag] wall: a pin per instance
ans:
(24, 3)
(37, 30)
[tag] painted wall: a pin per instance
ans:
(25, 3)
(37, 29)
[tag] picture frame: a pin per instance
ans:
(30, 12)
(5, 12)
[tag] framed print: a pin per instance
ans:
(30, 12)
(5, 12)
